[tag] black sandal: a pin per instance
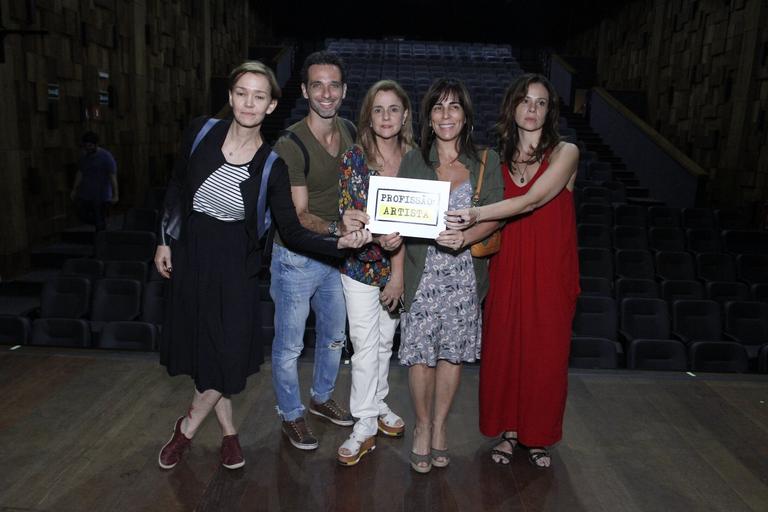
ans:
(504, 458)
(540, 453)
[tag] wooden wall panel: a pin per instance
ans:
(704, 68)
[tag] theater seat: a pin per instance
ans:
(128, 336)
(718, 356)
(587, 352)
(646, 354)
(61, 332)
(14, 330)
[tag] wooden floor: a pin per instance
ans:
(80, 431)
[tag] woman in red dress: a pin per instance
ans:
(534, 277)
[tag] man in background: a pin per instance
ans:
(95, 186)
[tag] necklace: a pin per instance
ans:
(521, 173)
(246, 141)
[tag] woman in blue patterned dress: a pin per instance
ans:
(444, 284)
(372, 277)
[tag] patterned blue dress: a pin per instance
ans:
(444, 320)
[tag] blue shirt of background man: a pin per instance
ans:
(96, 169)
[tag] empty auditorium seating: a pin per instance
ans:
(643, 318)
(595, 213)
(714, 266)
(594, 342)
(630, 237)
(126, 270)
(83, 267)
(634, 263)
(674, 265)
(718, 356)
(725, 291)
(116, 299)
(696, 218)
(128, 336)
(153, 302)
(125, 245)
(60, 332)
(745, 241)
(630, 287)
(596, 262)
(65, 297)
(630, 215)
(747, 323)
(652, 354)
(752, 268)
(663, 217)
(666, 239)
(702, 240)
(673, 290)
(595, 286)
(697, 320)
(14, 330)
(593, 235)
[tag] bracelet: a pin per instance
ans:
(333, 228)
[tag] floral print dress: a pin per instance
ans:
(444, 320)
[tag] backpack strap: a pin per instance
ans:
(304, 153)
(350, 128)
(202, 133)
(262, 211)
(349, 125)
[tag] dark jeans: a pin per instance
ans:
(92, 212)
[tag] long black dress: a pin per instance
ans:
(212, 327)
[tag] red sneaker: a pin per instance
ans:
(231, 453)
(171, 453)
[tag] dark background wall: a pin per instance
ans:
(702, 68)
(132, 71)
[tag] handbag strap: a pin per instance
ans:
(479, 187)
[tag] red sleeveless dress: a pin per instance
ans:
(527, 320)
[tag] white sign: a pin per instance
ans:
(408, 206)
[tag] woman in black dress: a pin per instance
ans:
(215, 216)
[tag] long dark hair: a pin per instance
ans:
(438, 91)
(509, 138)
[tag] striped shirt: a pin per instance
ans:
(219, 196)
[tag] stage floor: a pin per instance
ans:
(80, 431)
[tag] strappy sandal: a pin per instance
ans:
(387, 424)
(358, 446)
(504, 458)
(417, 459)
(437, 455)
(535, 456)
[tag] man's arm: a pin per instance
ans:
(300, 196)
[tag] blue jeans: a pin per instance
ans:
(298, 281)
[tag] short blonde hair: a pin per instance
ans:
(255, 66)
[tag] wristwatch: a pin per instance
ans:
(333, 228)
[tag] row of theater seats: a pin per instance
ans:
(655, 334)
(435, 50)
(597, 206)
(485, 69)
(672, 239)
(720, 291)
(672, 265)
(91, 311)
